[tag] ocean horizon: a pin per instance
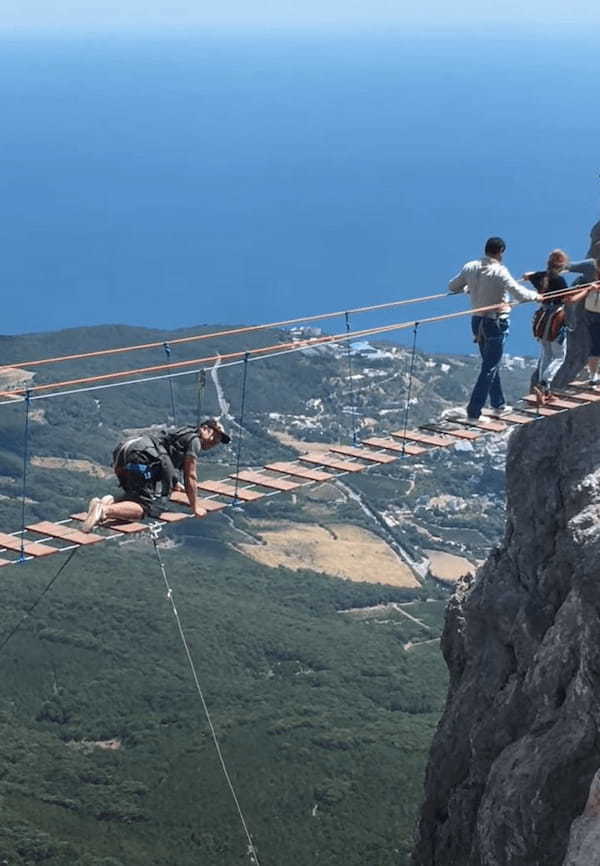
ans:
(166, 182)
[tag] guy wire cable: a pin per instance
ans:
(46, 589)
(252, 853)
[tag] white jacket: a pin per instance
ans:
(488, 282)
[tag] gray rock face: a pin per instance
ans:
(594, 250)
(518, 745)
(584, 841)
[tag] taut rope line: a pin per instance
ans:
(409, 388)
(265, 351)
(25, 462)
(230, 332)
(252, 853)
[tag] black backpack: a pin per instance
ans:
(177, 442)
(150, 458)
(140, 449)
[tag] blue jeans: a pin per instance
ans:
(490, 334)
(552, 356)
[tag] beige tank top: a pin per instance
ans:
(592, 301)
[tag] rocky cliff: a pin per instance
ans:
(594, 250)
(517, 747)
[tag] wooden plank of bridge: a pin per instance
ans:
(207, 504)
(490, 426)
(227, 490)
(265, 480)
(555, 403)
(457, 433)
(299, 471)
(351, 451)
(581, 396)
(6, 562)
(424, 438)
(174, 516)
(392, 445)
(31, 548)
(581, 385)
(592, 396)
(331, 463)
(65, 533)
(512, 417)
(126, 528)
(540, 411)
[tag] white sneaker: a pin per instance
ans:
(503, 410)
(483, 419)
(95, 515)
(454, 412)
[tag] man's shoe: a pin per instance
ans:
(482, 419)
(503, 410)
(456, 412)
(95, 515)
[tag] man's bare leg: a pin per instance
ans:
(107, 509)
(123, 511)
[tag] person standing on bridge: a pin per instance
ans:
(589, 270)
(143, 462)
(550, 323)
(489, 284)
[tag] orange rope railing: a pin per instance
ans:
(302, 344)
(227, 333)
(281, 347)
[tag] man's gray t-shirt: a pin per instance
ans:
(194, 448)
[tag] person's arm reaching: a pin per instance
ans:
(458, 283)
(583, 292)
(190, 480)
(587, 268)
(515, 290)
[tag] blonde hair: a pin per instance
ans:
(557, 260)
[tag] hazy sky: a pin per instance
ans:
(522, 16)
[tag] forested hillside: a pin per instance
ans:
(324, 703)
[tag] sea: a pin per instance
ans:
(172, 181)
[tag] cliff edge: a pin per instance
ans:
(517, 747)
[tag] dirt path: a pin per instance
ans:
(413, 618)
(410, 645)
